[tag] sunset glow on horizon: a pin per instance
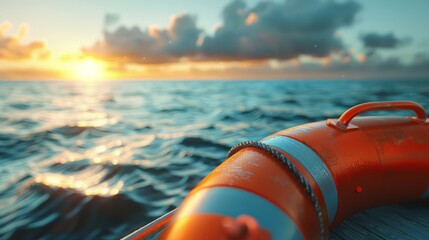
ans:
(89, 70)
(227, 39)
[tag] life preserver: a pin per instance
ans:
(299, 182)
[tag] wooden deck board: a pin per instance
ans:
(404, 221)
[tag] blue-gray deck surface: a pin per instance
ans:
(402, 221)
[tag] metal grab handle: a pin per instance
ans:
(347, 116)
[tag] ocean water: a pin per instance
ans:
(98, 160)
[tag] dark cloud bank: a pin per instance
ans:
(267, 30)
(388, 41)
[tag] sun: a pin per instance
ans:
(89, 70)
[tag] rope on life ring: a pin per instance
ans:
(290, 166)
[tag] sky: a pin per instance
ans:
(223, 39)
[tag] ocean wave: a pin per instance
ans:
(290, 101)
(203, 142)
(70, 130)
(20, 106)
(64, 213)
(173, 109)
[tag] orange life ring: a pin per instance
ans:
(299, 182)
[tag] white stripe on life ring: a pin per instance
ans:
(314, 165)
(233, 202)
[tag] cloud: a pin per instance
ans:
(280, 30)
(268, 30)
(110, 19)
(30, 73)
(13, 48)
(153, 45)
(387, 41)
(374, 66)
(421, 62)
